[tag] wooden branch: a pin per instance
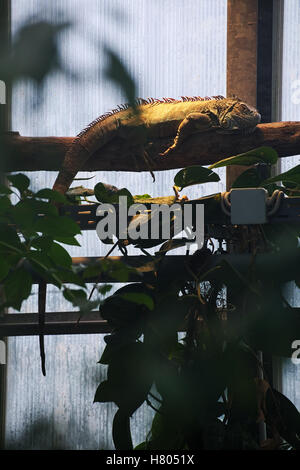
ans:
(47, 153)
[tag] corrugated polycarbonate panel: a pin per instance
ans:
(291, 112)
(172, 48)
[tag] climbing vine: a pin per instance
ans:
(205, 384)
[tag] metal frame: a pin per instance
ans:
(5, 120)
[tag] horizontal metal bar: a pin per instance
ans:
(179, 266)
(85, 214)
(56, 323)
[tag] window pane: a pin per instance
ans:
(291, 112)
(171, 51)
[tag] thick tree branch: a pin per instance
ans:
(47, 153)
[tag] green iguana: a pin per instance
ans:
(153, 119)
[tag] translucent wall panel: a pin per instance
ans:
(291, 112)
(172, 48)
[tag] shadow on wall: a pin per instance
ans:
(43, 434)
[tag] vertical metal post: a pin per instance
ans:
(5, 110)
(250, 73)
(278, 21)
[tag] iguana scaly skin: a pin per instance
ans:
(153, 119)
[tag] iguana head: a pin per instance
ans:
(238, 115)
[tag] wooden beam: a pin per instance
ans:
(175, 266)
(56, 323)
(47, 153)
(242, 18)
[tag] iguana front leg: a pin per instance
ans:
(194, 122)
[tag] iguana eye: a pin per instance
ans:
(244, 107)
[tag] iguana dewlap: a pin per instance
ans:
(152, 119)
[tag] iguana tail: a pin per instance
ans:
(74, 159)
(97, 134)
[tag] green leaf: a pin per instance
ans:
(17, 287)
(173, 245)
(74, 295)
(194, 175)
(23, 215)
(4, 190)
(142, 196)
(164, 432)
(111, 195)
(104, 393)
(292, 176)
(141, 446)
(5, 204)
(121, 430)
(59, 255)
(122, 312)
(4, 268)
(19, 181)
(42, 207)
(92, 271)
(69, 276)
(138, 298)
(130, 374)
(258, 155)
(104, 289)
(42, 264)
(248, 179)
(42, 243)
(51, 195)
(57, 226)
(117, 340)
(68, 241)
(9, 238)
(168, 316)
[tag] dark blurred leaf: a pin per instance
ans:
(19, 181)
(121, 430)
(4, 190)
(130, 373)
(139, 298)
(141, 446)
(51, 195)
(23, 215)
(17, 287)
(117, 72)
(194, 175)
(282, 413)
(165, 435)
(34, 52)
(42, 207)
(104, 393)
(117, 340)
(74, 295)
(5, 205)
(4, 268)
(122, 312)
(9, 238)
(168, 316)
